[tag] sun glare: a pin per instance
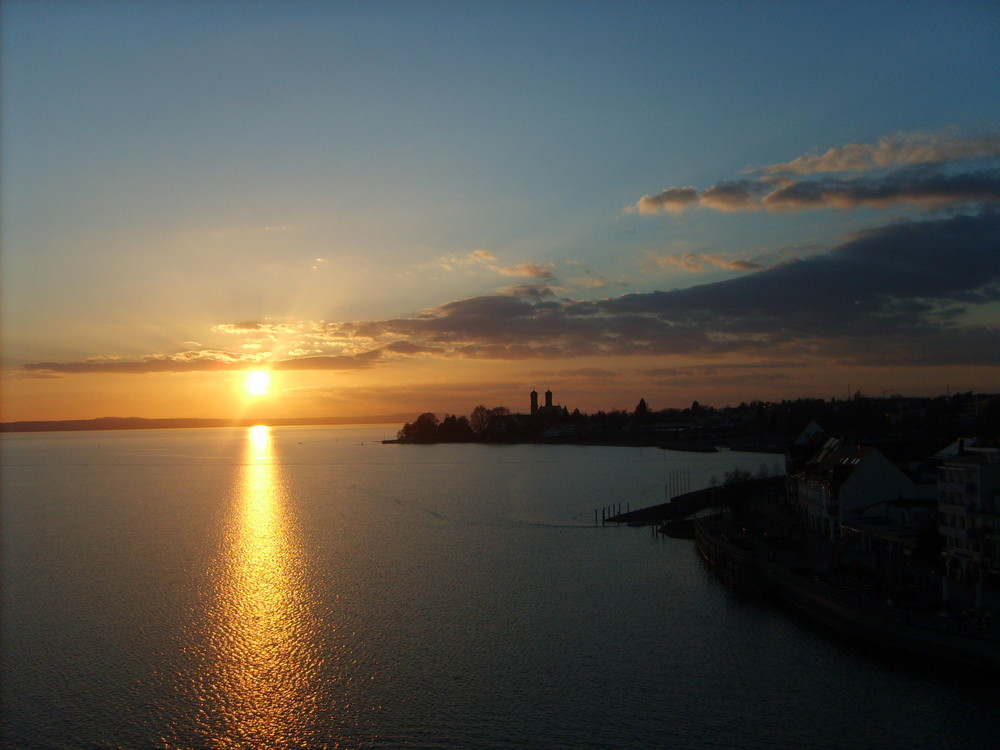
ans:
(258, 382)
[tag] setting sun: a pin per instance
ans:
(258, 382)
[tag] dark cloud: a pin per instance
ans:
(934, 260)
(734, 264)
(531, 291)
(901, 294)
(920, 185)
(921, 169)
(909, 186)
(731, 196)
(886, 282)
(203, 362)
(909, 282)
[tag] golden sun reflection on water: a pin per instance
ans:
(262, 675)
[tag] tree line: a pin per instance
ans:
(428, 428)
(859, 417)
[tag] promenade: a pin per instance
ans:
(846, 589)
(750, 537)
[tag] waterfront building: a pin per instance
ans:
(841, 480)
(969, 512)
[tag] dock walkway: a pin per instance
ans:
(969, 639)
(692, 503)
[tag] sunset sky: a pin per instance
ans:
(424, 206)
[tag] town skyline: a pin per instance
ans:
(381, 208)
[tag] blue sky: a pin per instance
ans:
(247, 184)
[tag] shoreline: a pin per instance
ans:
(765, 447)
(943, 638)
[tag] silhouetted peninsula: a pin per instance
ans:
(911, 425)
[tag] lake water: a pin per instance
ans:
(310, 587)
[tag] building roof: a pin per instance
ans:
(836, 461)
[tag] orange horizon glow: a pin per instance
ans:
(450, 387)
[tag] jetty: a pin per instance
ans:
(690, 504)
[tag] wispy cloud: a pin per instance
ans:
(472, 258)
(696, 263)
(266, 328)
(203, 361)
(696, 376)
(902, 149)
(528, 270)
(683, 261)
(586, 373)
(672, 200)
(484, 259)
(593, 282)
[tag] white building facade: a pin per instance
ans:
(969, 512)
(842, 480)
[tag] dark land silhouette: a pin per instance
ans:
(901, 426)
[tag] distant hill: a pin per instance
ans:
(140, 423)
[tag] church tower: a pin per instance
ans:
(534, 402)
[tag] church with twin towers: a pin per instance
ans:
(549, 410)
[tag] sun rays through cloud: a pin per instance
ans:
(571, 207)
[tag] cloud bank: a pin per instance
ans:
(902, 294)
(909, 293)
(921, 169)
(203, 361)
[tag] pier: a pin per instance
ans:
(691, 504)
